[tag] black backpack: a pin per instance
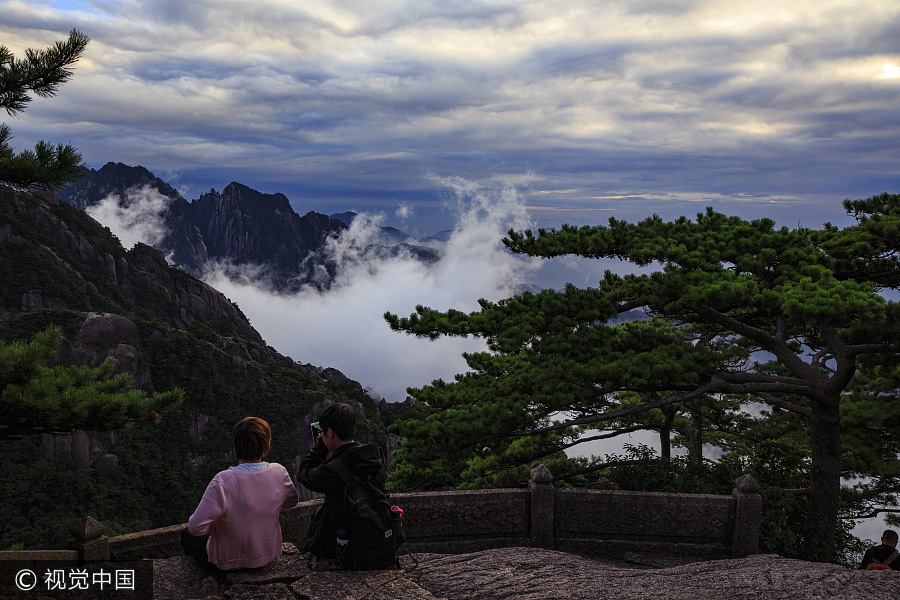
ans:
(374, 537)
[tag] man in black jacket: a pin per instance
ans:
(883, 554)
(338, 425)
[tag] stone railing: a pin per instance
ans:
(593, 522)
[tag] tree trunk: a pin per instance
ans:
(695, 441)
(665, 442)
(665, 432)
(825, 480)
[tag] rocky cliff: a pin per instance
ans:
(58, 266)
(57, 257)
(239, 229)
(182, 239)
(244, 227)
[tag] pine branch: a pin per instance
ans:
(593, 438)
(46, 167)
(775, 401)
(41, 72)
(589, 419)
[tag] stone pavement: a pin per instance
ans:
(527, 574)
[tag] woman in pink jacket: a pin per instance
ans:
(236, 523)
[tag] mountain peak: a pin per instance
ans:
(345, 217)
(238, 226)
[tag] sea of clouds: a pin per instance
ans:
(343, 327)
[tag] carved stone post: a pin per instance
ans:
(89, 540)
(747, 517)
(542, 499)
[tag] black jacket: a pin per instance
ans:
(880, 552)
(364, 461)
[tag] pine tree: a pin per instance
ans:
(41, 73)
(37, 399)
(728, 292)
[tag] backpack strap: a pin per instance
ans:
(340, 467)
(891, 558)
(343, 471)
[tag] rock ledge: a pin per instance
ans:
(528, 574)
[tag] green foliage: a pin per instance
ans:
(869, 251)
(640, 469)
(164, 467)
(35, 398)
(46, 167)
(727, 290)
(41, 73)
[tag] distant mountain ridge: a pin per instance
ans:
(243, 226)
(240, 227)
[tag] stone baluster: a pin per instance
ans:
(542, 511)
(89, 540)
(748, 516)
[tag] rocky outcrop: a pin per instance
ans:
(533, 574)
(82, 449)
(107, 463)
(60, 258)
(182, 238)
(242, 226)
(529, 574)
(236, 227)
(100, 328)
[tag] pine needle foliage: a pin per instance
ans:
(725, 294)
(35, 398)
(40, 73)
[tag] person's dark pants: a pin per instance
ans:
(195, 545)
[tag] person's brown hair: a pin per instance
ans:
(251, 438)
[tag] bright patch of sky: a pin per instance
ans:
(889, 71)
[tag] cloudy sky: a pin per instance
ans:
(590, 108)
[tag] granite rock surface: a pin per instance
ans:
(530, 574)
